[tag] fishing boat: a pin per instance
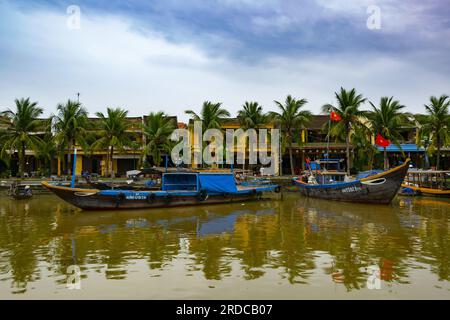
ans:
(373, 188)
(426, 183)
(19, 192)
(177, 189)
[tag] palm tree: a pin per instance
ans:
(364, 149)
(437, 123)
(157, 130)
(70, 125)
(47, 148)
(251, 116)
(211, 115)
(387, 120)
(423, 138)
(291, 120)
(19, 128)
(113, 134)
(350, 114)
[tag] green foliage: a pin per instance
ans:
(348, 108)
(113, 130)
(388, 120)
(47, 149)
(112, 133)
(291, 119)
(211, 115)
(364, 150)
(157, 129)
(19, 130)
(251, 115)
(434, 127)
(70, 126)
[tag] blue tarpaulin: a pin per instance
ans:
(217, 182)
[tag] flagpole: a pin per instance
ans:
(328, 142)
(74, 171)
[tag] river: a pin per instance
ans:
(297, 248)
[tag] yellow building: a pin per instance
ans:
(233, 124)
(97, 161)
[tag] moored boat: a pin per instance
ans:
(178, 189)
(426, 183)
(377, 188)
(19, 192)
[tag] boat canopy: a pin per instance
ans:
(180, 182)
(218, 182)
(210, 182)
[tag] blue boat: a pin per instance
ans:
(177, 189)
(371, 187)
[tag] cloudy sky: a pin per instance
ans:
(171, 55)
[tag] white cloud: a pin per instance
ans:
(111, 64)
(397, 16)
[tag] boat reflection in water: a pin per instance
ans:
(294, 249)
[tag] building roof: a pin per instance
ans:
(173, 118)
(317, 122)
(406, 147)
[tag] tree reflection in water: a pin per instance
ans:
(42, 237)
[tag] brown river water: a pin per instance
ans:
(292, 249)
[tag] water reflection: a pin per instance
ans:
(297, 242)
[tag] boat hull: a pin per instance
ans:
(429, 192)
(93, 199)
(377, 189)
(21, 196)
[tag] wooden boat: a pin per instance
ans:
(426, 183)
(378, 188)
(18, 192)
(178, 189)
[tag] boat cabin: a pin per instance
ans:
(326, 164)
(209, 182)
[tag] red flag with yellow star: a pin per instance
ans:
(335, 116)
(382, 142)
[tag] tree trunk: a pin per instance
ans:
(48, 166)
(438, 155)
(291, 160)
(112, 163)
(280, 163)
(347, 142)
(107, 164)
(372, 154)
(62, 163)
(22, 160)
(385, 159)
